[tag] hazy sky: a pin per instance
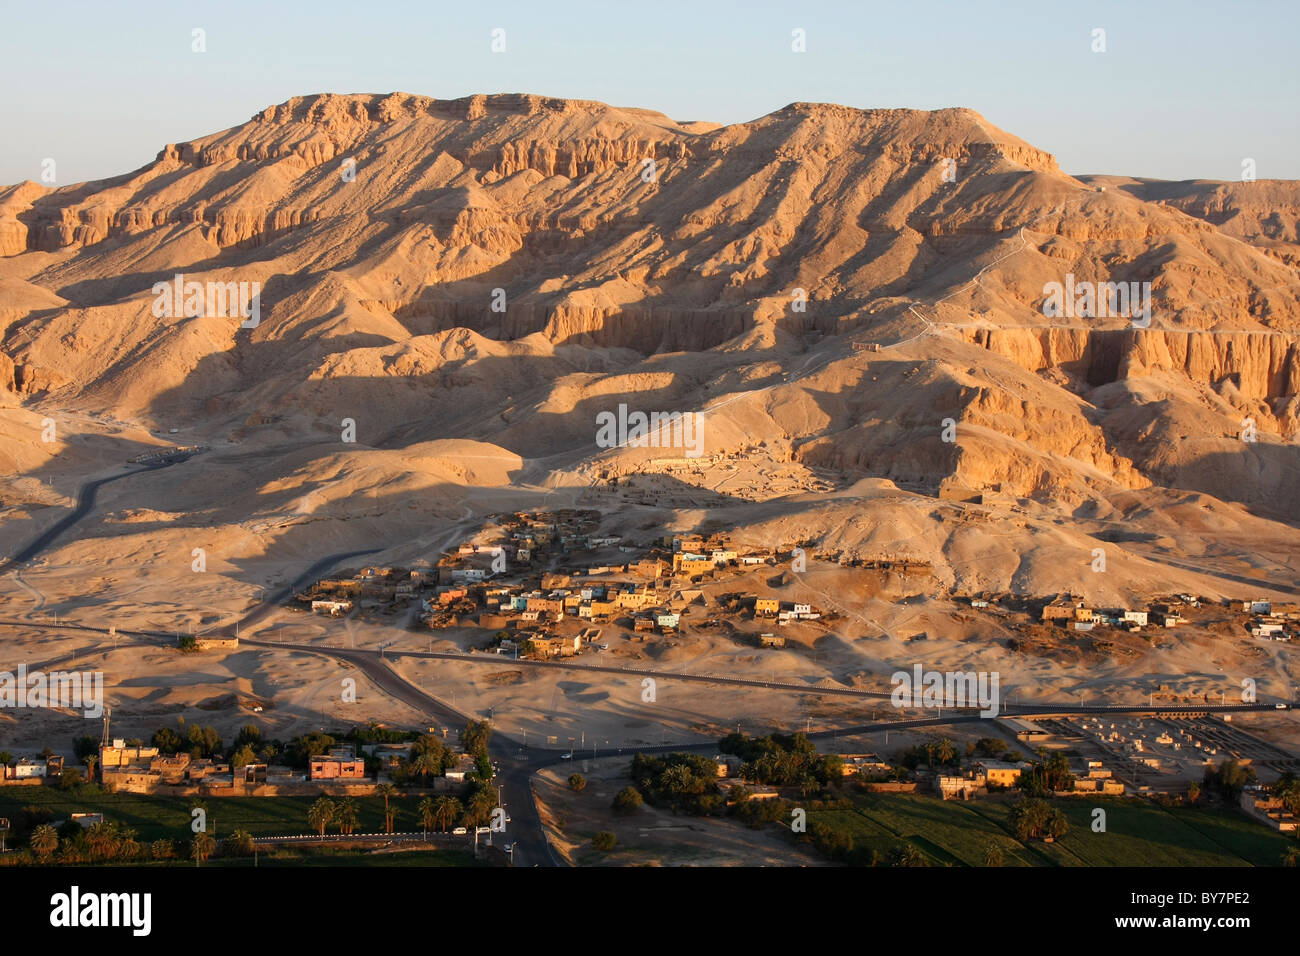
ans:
(1183, 90)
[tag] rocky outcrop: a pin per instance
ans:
(1262, 365)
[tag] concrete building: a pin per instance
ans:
(1000, 773)
(331, 607)
(29, 767)
(341, 763)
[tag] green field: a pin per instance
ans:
(1138, 833)
(158, 817)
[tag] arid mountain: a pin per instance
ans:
(827, 284)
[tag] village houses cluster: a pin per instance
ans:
(1260, 618)
(545, 583)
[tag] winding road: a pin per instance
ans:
(85, 502)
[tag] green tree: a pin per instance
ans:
(1047, 775)
(992, 855)
(1034, 818)
(428, 744)
(480, 803)
(45, 840)
(1287, 789)
(203, 741)
(906, 854)
(577, 782)
(321, 814)
(387, 791)
(604, 841)
(167, 740)
(426, 764)
(446, 810)
(1229, 778)
(102, 840)
(1056, 825)
(628, 800)
(347, 815)
(201, 847)
(239, 843)
(243, 757)
(302, 749)
(162, 849)
(428, 814)
(475, 737)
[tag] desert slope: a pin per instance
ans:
(484, 276)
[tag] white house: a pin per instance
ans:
(331, 607)
(29, 767)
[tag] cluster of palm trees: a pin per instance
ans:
(106, 840)
(439, 813)
(435, 813)
(325, 812)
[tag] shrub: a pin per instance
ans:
(628, 800)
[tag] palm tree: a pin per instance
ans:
(445, 810)
(1287, 789)
(321, 814)
(387, 790)
(905, 854)
(427, 814)
(201, 847)
(240, 843)
(426, 764)
(480, 806)
(90, 762)
(346, 816)
(45, 840)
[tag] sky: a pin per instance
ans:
(1186, 90)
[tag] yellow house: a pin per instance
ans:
(1001, 774)
(691, 563)
(636, 599)
(767, 606)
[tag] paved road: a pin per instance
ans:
(85, 501)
